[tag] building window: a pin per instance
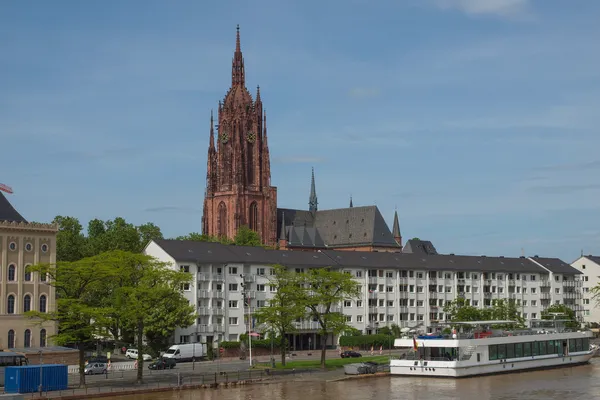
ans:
(43, 338)
(233, 270)
(11, 339)
(28, 247)
(27, 275)
(27, 338)
(12, 246)
(253, 217)
(233, 304)
(260, 288)
(44, 248)
(12, 272)
(233, 320)
(10, 305)
(222, 220)
(359, 318)
(233, 287)
(185, 268)
(260, 271)
(27, 303)
(43, 303)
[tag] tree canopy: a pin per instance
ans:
(567, 314)
(501, 310)
(283, 308)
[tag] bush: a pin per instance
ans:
(256, 343)
(364, 342)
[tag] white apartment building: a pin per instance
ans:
(589, 266)
(409, 290)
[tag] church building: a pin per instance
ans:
(239, 191)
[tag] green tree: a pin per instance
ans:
(567, 314)
(459, 310)
(148, 232)
(79, 313)
(507, 310)
(283, 308)
(320, 291)
(70, 241)
(150, 283)
(246, 237)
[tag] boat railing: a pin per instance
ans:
(415, 357)
(492, 334)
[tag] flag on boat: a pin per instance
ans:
(6, 188)
(415, 345)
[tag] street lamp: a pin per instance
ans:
(249, 324)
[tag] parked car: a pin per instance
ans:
(97, 359)
(133, 353)
(95, 368)
(163, 363)
(350, 354)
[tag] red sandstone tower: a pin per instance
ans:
(238, 173)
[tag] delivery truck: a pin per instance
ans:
(186, 352)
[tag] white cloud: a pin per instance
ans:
(503, 8)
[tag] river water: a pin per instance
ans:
(566, 383)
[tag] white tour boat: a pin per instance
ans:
(492, 351)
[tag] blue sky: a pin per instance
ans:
(477, 119)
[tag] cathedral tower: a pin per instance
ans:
(238, 173)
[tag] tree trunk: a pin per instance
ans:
(282, 347)
(81, 348)
(323, 351)
(140, 360)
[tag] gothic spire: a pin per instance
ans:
(396, 229)
(212, 131)
(258, 94)
(237, 66)
(351, 205)
(312, 200)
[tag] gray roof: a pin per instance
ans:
(417, 246)
(8, 212)
(207, 252)
(557, 266)
(592, 258)
(342, 227)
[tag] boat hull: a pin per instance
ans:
(455, 370)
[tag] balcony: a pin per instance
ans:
(545, 296)
(372, 279)
(511, 282)
(218, 277)
(403, 295)
(462, 281)
(307, 325)
(218, 311)
(432, 280)
(545, 284)
(217, 295)
(372, 295)
(249, 278)
(203, 310)
(372, 310)
(206, 328)
(433, 295)
(204, 294)
(203, 277)
(487, 294)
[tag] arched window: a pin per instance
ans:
(43, 338)
(27, 338)
(11, 339)
(43, 303)
(12, 272)
(27, 273)
(10, 305)
(222, 220)
(27, 303)
(253, 217)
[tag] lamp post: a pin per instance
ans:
(41, 373)
(249, 324)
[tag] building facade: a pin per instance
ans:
(239, 192)
(24, 243)
(589, 266)
(409, 290)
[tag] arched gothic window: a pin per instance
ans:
(27, 303)
(253, 217)
(43, 300)
(222, 220)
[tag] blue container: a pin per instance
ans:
(26, 379)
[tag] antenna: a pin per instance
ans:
(522, 252)
(6, 188)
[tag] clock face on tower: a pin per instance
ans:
(224, 137)
(251, 137)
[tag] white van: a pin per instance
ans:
(186, 352)
(133, 354)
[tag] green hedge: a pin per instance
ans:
(256, 343)
(365, 342)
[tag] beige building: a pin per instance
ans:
(24, 243)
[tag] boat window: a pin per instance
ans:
(585, 344)
(535, 349)
(542, 346)
(501, 351)
(550, 347)
(526, 349)
(518, 350)
(572, 346)
(510, 350)
(493, 352)
(579, 345)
